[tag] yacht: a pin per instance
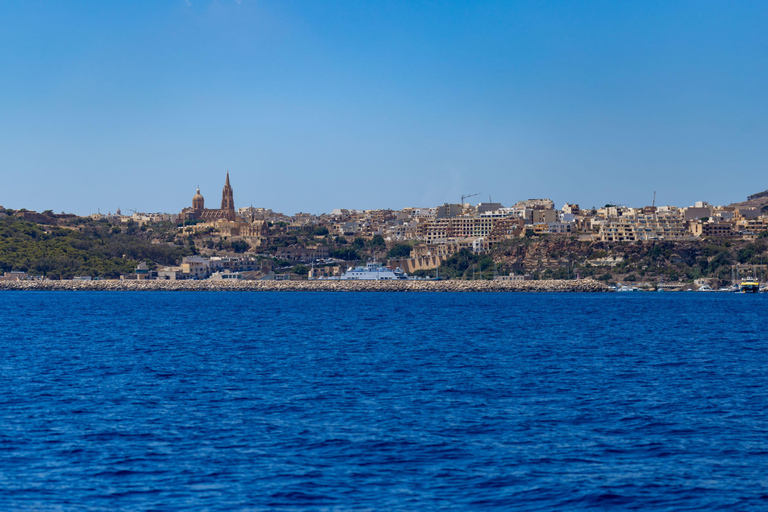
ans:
(374, 272)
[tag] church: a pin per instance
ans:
(225, 220)
(200, 212)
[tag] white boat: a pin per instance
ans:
(626, 288)
(374, 272)
(705, 288)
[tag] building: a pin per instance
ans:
(325, 272)
(544, 204)
(631, 227)
(299, 253)
(571, 209)
(234, 264)
(449, 211)
(545, 216)
(200, 212)
(170, 274)
(226, 275)
(758, 225)
(488, 207)
(257, 231)
(713, 228)
(226, 221)
(553, 228)
(700, 210)
(15, 275)
(143, 272)
(513, 277)
(195, 267)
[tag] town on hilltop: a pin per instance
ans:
(531, 239)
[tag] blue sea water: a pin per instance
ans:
(383, 401)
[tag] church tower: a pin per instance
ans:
(198, 204)
(228, 200)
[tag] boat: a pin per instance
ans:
(705, 288)
(374, 272)
(749, 285)
(626, 288)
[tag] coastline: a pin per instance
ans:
(583, 285)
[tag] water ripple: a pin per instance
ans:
(310, 401)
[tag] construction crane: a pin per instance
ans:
(468, 195)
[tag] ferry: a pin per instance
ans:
(749, 285)
(374, 272)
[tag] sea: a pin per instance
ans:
(316, 401)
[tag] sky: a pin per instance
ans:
(313, 105)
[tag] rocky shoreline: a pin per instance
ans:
(583, 285)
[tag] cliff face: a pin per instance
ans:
(560, 257)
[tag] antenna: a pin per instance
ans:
(654, 199)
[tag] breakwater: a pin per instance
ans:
(582, 285)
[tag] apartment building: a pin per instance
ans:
(458, 227)
(638, 226)
(449, 211)
(752, 225)
(712, 229)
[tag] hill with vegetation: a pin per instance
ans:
(558, 257)
(64, 246)
(758, 200)
(87, 248)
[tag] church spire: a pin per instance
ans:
(227, 200)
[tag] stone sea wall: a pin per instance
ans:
(583, 285)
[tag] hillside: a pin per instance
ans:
(91, 249)
(758, 200)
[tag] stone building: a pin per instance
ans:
(225, 221)
(200, 212)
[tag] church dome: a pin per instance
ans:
(198, 203)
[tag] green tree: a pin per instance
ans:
(345, 253)
(377, 242)
(239, 246)
(399, 251)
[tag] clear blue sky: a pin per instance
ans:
(320, 105)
